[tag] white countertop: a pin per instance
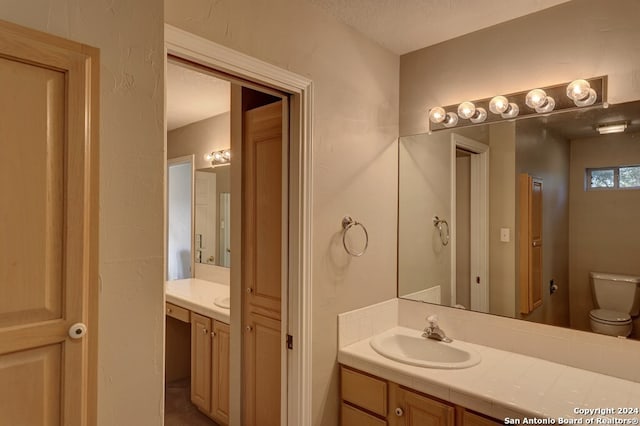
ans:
(198, 296)
(506, 384)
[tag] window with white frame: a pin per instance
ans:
(614, 177)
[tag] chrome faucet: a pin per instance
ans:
(432, 331)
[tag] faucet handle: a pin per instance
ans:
(433, 320)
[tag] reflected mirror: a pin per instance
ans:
(212, 210)
(534, 219)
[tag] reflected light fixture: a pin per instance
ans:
(501, 105)
(581, 93)
(219, 158)
(612, 128)
(439, 115)
(537, 99)
(468, 111)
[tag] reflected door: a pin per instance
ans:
(48, 224)
(530, 244)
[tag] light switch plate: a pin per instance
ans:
(505, 235)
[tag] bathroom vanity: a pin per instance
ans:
(377, 390)
(199, 305)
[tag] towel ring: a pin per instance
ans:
(348, 223)
(444, 235)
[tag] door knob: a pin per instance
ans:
(249, 290)
(77, 330)
(249, 328)
(399, 412)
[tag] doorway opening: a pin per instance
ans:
(289, 341)
(470, 227)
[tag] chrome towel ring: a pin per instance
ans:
(347, 224)
(444, 234)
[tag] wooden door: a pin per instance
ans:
(421, 410)
(48, 229)
(201, 362)
(262, 263)
(220, 372)
(530, 242)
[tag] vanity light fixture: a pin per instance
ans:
(612, 128)
(581, 93)
(468, 111)
(219, 158)
(439, 115)
(537, 99)
(542, 100)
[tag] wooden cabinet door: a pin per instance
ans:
(201, 362)
(419, 410)
(48, 228)
(262, 372)
(220, 372)
(472, 419)
(262, 246)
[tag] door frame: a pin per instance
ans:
(479, 256)
(296, 300)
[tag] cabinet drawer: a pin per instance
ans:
(177, 312)
(472, 419)
(364, 391)
(351, 416)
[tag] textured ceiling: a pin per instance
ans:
(403, 26)
(193, 96)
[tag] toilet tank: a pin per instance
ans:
(616, 292)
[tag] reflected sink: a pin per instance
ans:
(223, 302)
(409, 347)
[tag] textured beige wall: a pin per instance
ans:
(581, 38)
(604, 224)
(542, 154)
(424, 192)
(200, 138)
(129, 35)
(502, 205)
(354, 154)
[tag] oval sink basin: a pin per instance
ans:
(409, 347)
(223, 302)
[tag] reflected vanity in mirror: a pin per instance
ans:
(535, 219)
(212, 211)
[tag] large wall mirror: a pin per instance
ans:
(465, 195)
(212, 213)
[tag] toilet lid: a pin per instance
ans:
(610, 317)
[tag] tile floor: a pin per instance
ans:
(179, 411)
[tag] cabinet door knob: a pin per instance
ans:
(249, 328)
(249, 290)
(205, 331)
(213, 334)
(399, 412)
(168, 310)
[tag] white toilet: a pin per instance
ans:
(617, 299)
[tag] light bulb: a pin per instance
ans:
(227, 154)
(590, 99)
(578, 90)
(536, 98)
(450, 120)
(479, 116)
(548, 106)
(512, 111)
(437, 115)
(498, 104)
(217, 156)
(466, 110)
(208, 156)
